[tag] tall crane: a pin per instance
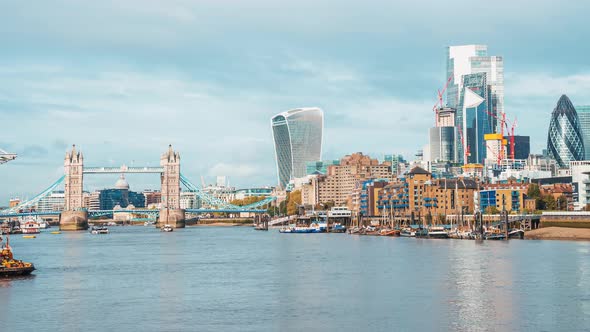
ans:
(439, 103)
(511, 133)
(466, 151)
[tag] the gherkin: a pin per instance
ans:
(564, 141)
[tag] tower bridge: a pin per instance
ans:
(75, 215)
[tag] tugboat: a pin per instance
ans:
(10, 267)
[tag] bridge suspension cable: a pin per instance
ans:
(35, 199)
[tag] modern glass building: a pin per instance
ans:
(584, 117)
(564, 140)
(442, 144)
(297, 136)
(468, 67)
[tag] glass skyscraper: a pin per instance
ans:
(584, 117)
(470, 68)
(564, 140)
(297, 136)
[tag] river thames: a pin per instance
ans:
(238, 279)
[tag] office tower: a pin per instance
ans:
(564, 140)
(442, 137)
(584, 117)
(297, 136)
(476, 91)
(522, 146)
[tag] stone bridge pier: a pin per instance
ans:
(170, 212)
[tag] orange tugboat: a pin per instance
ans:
(10, 267)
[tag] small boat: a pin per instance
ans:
(389, 232)
(261, 227)
(338, 228)
(99, 230)
(55, 232)
(149, 223)
(30, 227)
(437, 232)
(10, 267)
(516, 234)
(167, 228)
(44, 224)
(354, 230)
(29, 236)
(407, 232)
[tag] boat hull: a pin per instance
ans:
(6, 272)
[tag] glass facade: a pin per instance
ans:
(522, 146)
(109, 198)
(474, 119)
(584, 117)
(463, 62)
(442, 144)
(564, 140)
(297, 138)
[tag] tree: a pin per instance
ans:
(533, 191)
(492, 210)
(562, 203)
(549, 202)
(294, 200)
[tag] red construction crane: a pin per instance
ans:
(511, 132)
(440, 99)
(466, 151)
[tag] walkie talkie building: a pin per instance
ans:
(297, 138)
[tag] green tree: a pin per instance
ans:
(562, 203)
(294, 200)
(491, 210)
(549, 202)
(533, 191)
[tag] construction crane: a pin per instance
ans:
(439, 103)
(466, 151)
(511, 133)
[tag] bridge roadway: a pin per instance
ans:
(122, 169)
(92, 213)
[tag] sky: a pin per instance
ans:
(124, 79)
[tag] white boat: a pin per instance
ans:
(44, 224)
(99, 230)
(437, 232)
(167, 228)
(149, 223)
(407, 232)
(30, 227)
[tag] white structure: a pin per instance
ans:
(189, 200)
(579, 180)
(297, 136)
(52, 202)
(471, 59)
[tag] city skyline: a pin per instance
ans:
(112, 91)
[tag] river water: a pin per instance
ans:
(238, 279)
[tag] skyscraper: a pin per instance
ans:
(442, 137)
(470, 68)
(584, 117)
(564, 140)
(297, 136)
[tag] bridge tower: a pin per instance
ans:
(170, 212)
(74, 217)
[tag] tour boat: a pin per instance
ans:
(437, 232)
(30, 227)
(10, 267)
(313, 228)
(167, 228)
(99, 230)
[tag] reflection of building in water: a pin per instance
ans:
(120, 195)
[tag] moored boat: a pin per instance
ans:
(30, 227)
(338, 228)
(407, 232)
(516, 234)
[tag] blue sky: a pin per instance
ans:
(123, 79)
